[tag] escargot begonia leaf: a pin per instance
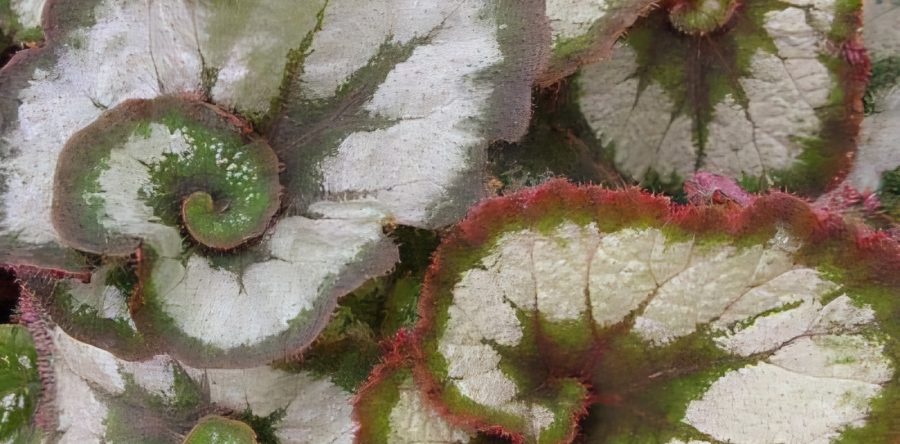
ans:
(561, 312)
(101, 398)
(584, 32)
(765, 91)
(97, 397)
(304, 407)
(391, 408)
(249, 156)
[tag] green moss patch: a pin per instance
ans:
(885, 75)
(559, 143)
(889, 192)
(263, 426)
(348, 348)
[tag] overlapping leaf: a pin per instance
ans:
(561, 311)
(362, 137)
(765, 92)
(101, 398)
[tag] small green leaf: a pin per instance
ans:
(219, 430)
(20, 385)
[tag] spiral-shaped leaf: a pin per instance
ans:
(149, 166)
(226, 276)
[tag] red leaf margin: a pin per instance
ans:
(872, 256)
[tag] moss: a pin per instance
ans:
(889, 192)
(348, 348)
(670, 186)
(263, 426)
(559, 142)
(885, 74)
